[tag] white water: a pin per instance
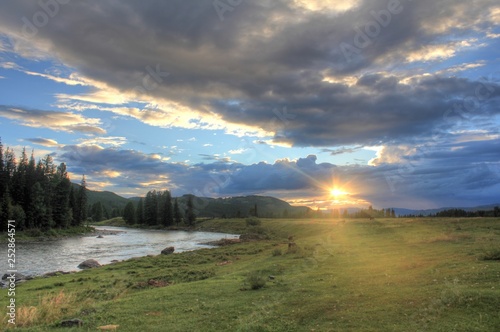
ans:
(36, 258)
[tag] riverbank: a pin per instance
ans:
(383, 275)
(231, 226)
(36, 235)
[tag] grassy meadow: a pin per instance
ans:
(358, 275)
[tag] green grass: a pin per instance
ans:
(383, 275)
(111, 222)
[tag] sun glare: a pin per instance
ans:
(338, 192)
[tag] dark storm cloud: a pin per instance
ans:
(269, 56)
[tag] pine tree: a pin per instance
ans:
(190, 217)
(40, 217)
(167, 216)
(151, 208)
(72, 205)
(60, 205)
(177, 213)
(9, 161)
(97, 213)
(80, 211)
(129, 213)
(139, 212)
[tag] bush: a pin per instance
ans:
(277, 252)
(492, 255)
(256, 280)
(253, 221)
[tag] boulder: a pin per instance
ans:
(54, 274)
(71, 323)
(18, 277)
(168, 251)
(89, 264)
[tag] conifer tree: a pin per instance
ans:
(129, 214)
(80, 211)
(177, 213)
(139, 212)
(190, 217)
(167, 217)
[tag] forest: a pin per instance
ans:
(38, 195)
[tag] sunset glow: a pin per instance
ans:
(338, 193)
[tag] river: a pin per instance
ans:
(37, 258)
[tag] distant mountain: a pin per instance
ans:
(108, 199)
(400, 211)
(243, 206)
(205, 207)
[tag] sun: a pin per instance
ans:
(335, 192)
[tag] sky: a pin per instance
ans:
(327, 104)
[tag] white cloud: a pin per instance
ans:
(58, 121)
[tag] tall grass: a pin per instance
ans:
(51, 308)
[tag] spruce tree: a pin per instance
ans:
(129, 214)
(80, 212)
(97, 212)
(151, 208)
(139, 211)
(177, 213)
(60, 204)
(167, 216)
(190, 217)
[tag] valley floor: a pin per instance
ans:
(358, 275)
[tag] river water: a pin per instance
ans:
(36, 258)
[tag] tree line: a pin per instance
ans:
(364, 213)
(159, 209)
(38, 195)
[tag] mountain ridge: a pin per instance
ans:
(267, 206)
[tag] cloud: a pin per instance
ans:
(224, 75)
(43, 141)
(439, 176)
(67, 81)
(58, 121)
(112, 141)
(343, 150)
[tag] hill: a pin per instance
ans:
(206, 207)
(243, 206)
(427, 212)
(108, 199)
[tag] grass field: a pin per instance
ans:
(359, 275)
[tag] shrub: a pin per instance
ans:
(256, 280)
(277, 252)
(253, 221)
(492, 255)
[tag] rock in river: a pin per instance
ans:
(168, 251)
(89, 264)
